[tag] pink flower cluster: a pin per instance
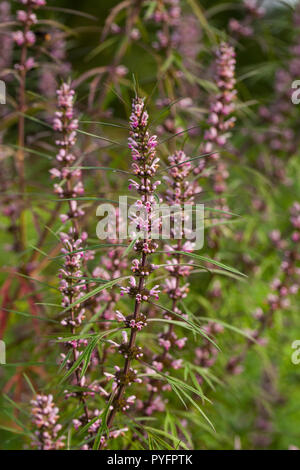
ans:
(119, 378)
(167, 15)
(58, 67)
(140, 295)
(111, 267)
(94, 427)
(71, 285)
(253, 11)
(25, 37)
(206, 354)
(220, 119)
(70, 185)
(145, 164)
(181, 191)
(143, 152)
(45, 416)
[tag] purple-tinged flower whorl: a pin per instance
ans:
(220, 118)
(45, 416)
(143, 152)
(166, 15)
(220, 110)
(70, 185)
(34, 3)
(221, 121)
(180, 189)
(25, 37)
(72, 286)
(245, 27)
(145, 164)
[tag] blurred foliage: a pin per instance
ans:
(269, 381)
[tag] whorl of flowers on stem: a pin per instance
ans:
(189, 41)
(72, 284)
(70, 185)
(25, 37)
(143, 152)
(145, 164)
(221, 121)
(51, 71)
(45, 416)
(181, 191)
(112, 266)
(253, 11)
(207, 353)
(167, 16)
(220, 118)
(220, 110)
(73, 287)
(94, 427)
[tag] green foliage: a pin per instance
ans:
(207, 407)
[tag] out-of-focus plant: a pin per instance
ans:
(95, 359)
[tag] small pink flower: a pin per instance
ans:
(30, 63)
(18, 37)
(30, 38)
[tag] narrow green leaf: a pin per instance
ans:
(95, 291)
(212, 261)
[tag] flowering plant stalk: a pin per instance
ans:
(220, 119)
(180, 194)
(24, 38)
(45, 416)
(70, 186)
(253, 11)
(143, 152)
